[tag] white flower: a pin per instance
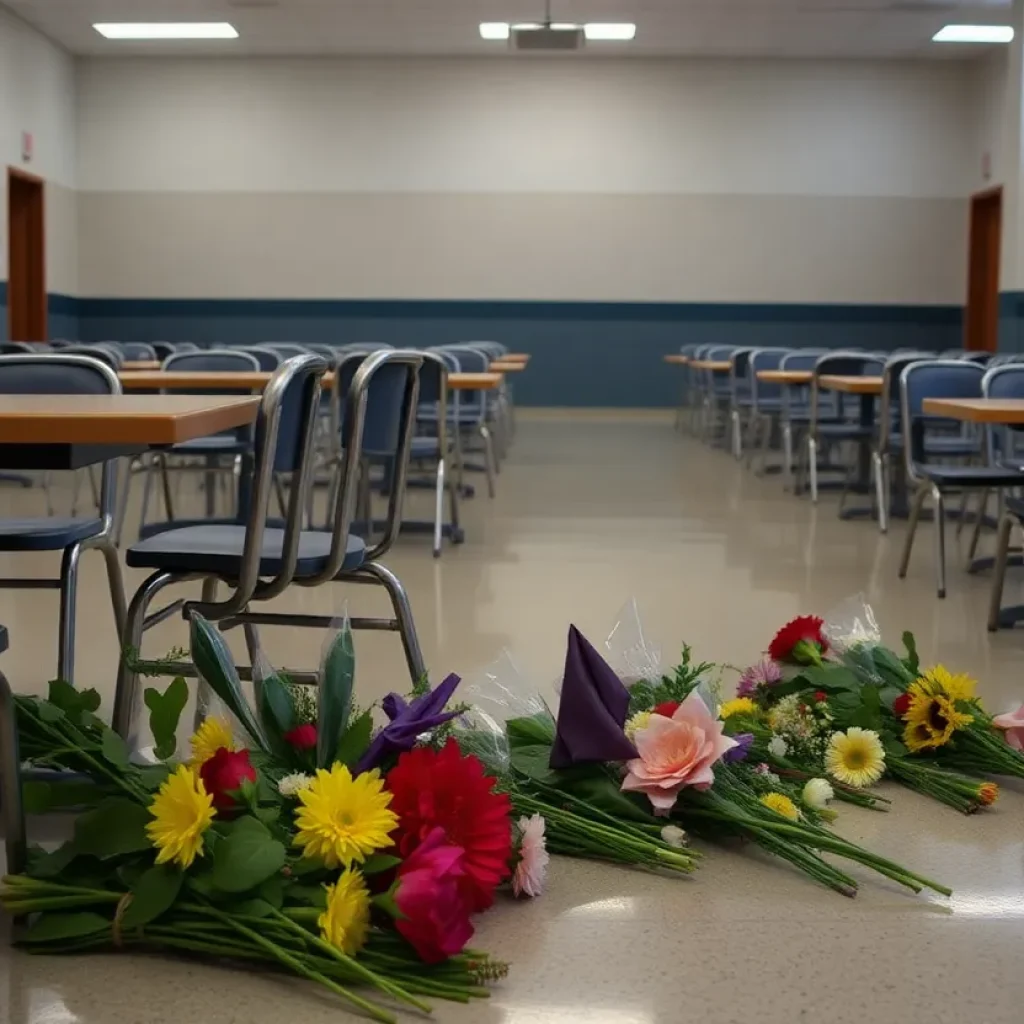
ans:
(674, 836)
(778, 747)
(817, 793)
(291, 784)
(532, 869)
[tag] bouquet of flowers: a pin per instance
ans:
(831, 698)
(656, 760)
(294, 836)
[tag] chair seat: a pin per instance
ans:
(1015, 506)
(215, 444)
(424, 448)
(217, 549)
(972, 476)
(940, 445)
(46, 534)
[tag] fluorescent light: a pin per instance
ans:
(494, 30)
(974, 34)
(167, 30)
(609, 30)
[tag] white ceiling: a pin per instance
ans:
(794, 28)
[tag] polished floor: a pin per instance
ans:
(590, 512)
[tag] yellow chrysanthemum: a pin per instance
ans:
(182, 811)
(781, 804)
(346, 920)
(737, 706)
(637, 722)
(931, 720)
(939, 680)
(210, 737)
(855, 757)
(342, 820)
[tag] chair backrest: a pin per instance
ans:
(764, 359)
(889, 403)
(65, 374)
(103, 353)
(60, 343)
(163, 349)
(138, 351)
(934, 378)
(284, 432)
(214, 360)
(10, 347)
(433, 396)
(327, 352)
(841, 364)
(268, 359)
(286, 349)
(1002, 381)
(983, 358)
(186, 346)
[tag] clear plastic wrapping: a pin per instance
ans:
(629, 651)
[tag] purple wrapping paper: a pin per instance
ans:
(592, 711)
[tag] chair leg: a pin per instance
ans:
(812, 467)
(940, 541)
(453, 503)
(121, 509)
(915, 514)
(878, 469)
(787, 455)
(488, 458)
(403, 615)
(203, 691)
(995, 599)
(737, 443)
(438, 506)
(147, 489)
(965, 507)
(15, 838)
(66, 617)
(282, 501)
(115, 581)
(979, 521)
(165, 480)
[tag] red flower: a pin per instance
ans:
(435, 911)
(821, 696)
(901, 705)
(225, 772)
(667, 708)
(302, 737)
(443, 788)
(800, 641)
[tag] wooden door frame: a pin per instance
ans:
(17, 173)
(971, 329)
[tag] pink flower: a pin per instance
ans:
(435, 911)
(532, 869)
(1012, 724)
(764, 673)
(676, 752)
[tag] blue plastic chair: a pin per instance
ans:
(796, 405)
(15, 832)
(287, 349)
(106, 354)
(940, 379)
(717, 392)
(65, 375)
(8, 348)
(267, 358)
(765, 402)
(138, 352)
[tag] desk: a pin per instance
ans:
(142, 364)
(714, 365)
(515, 357)
(1007, 411)
(852, 385)
(500, 366)
(474, 381)
(791, 377)
(71, 431)
(256, 380)
(676, 359)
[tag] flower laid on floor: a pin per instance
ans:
(855, 757)
(348, 858)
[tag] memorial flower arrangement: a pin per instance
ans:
(832, 699)
(294, 836)
(627, 773)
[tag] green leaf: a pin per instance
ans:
(246, 857)
(114, 749)
(165, 713)
(152, 776)
(894, 747)
(116, 826)
(272, 890)
(51, 927)
(356, 740)
(912, 661)
(49, 713)
(595, 787)
(154, 894)
(533, 761)
(310, 895)
(385, 902)
(337, 675)
(378, 862)
(277, 709)
(50, 864)
(64, 696)
(41, 797)
(531, 730)
(253, 908)
(214, 663)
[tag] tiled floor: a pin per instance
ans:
(591, 512)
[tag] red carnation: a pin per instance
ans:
(224, 773)
(302, 737)
(800, 642)
(901, 705)
(666, 708)
(445, 789)
(820, 696)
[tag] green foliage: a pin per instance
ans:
(115, 827)
(247, 856)
(911, 661)
(311, 895)
(162, 668)
(531, 729)
(356, 739)
(71, 701)
(45, 865)
(165, 713)
(337, 676)
(152, 895)
(114, 749)
(42, 797)
(379, 862)
(532, 760)
(54, 927)
(277, 710)
(646, 694)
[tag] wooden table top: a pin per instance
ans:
(501, 366)
(852, 385)
(714, 365)
(256, 380)
(141, 364)
(977, 410)
(142, 420)
(676, 359)
(474, 381)
(515, 357)
(785, 376)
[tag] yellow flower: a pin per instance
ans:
(855, 757)
(931, 720)
(781, 804)
(939, 680)
(182, 811)
(342, 819)
(210, 737)
(346, 920)
(637, 722)
(737, 706)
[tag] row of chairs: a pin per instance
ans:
(888, 437)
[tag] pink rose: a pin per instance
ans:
(435, 913)
(676, 752)
(1012, 724)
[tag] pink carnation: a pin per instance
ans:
(676, 752)
(532, 869)
(765, 673)
(1012, 724)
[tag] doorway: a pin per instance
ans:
(26, 257)
(981, 318)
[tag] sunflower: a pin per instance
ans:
(342, 819)
(855, 757)
(182, 811)
(737, 706)
(931, 719)
(939, 680)
(213, 735)
(346, 920)
(781, 804)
